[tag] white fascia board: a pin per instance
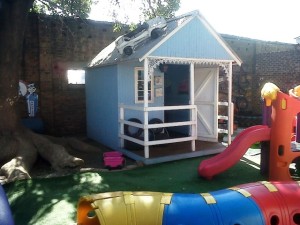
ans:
(193, 60)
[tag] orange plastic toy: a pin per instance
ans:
(284, 110)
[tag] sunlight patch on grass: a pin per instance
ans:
(92, 178)
(252, 164)
(16, 195)
(62, 209)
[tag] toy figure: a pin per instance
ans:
(32, 101)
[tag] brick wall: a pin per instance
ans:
(262, 61)
(52, 46)
(281, 68)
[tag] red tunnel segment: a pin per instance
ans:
(234, 152)
(278, 201)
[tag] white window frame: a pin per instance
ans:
(136, 90)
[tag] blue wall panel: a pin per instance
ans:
(106, 88)
(193, 41)
(102, 105)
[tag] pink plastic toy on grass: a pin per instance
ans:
(113, 160)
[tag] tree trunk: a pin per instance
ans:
(13, 19)
(19, 147)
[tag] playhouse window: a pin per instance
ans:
(139, 86)
(76, 76)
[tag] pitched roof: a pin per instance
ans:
(110, 54)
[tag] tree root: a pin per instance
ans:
(55, 154)
(14, 170)
(21, 149)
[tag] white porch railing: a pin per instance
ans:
(146, 127)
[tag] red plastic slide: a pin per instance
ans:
(234, 152)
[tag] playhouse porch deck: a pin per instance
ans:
(173, 151)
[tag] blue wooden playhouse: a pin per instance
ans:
(167, 91)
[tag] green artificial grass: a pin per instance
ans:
(48, 201)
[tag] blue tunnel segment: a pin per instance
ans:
(6, 217)
(225, 207)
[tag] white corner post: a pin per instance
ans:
(146, 116)
(122, 125)
(230, 105)
(193, 112)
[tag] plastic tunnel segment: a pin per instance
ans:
(234, 152)
(189, 209)
(5, 212)
(84, 210)
(88, 212)
(278, 201)
(123, 208)
(236, 209)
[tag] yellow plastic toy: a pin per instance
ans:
(269, 93)
(295, 92)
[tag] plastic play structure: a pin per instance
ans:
(6, 217)
(280, 126)
(261, 203)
